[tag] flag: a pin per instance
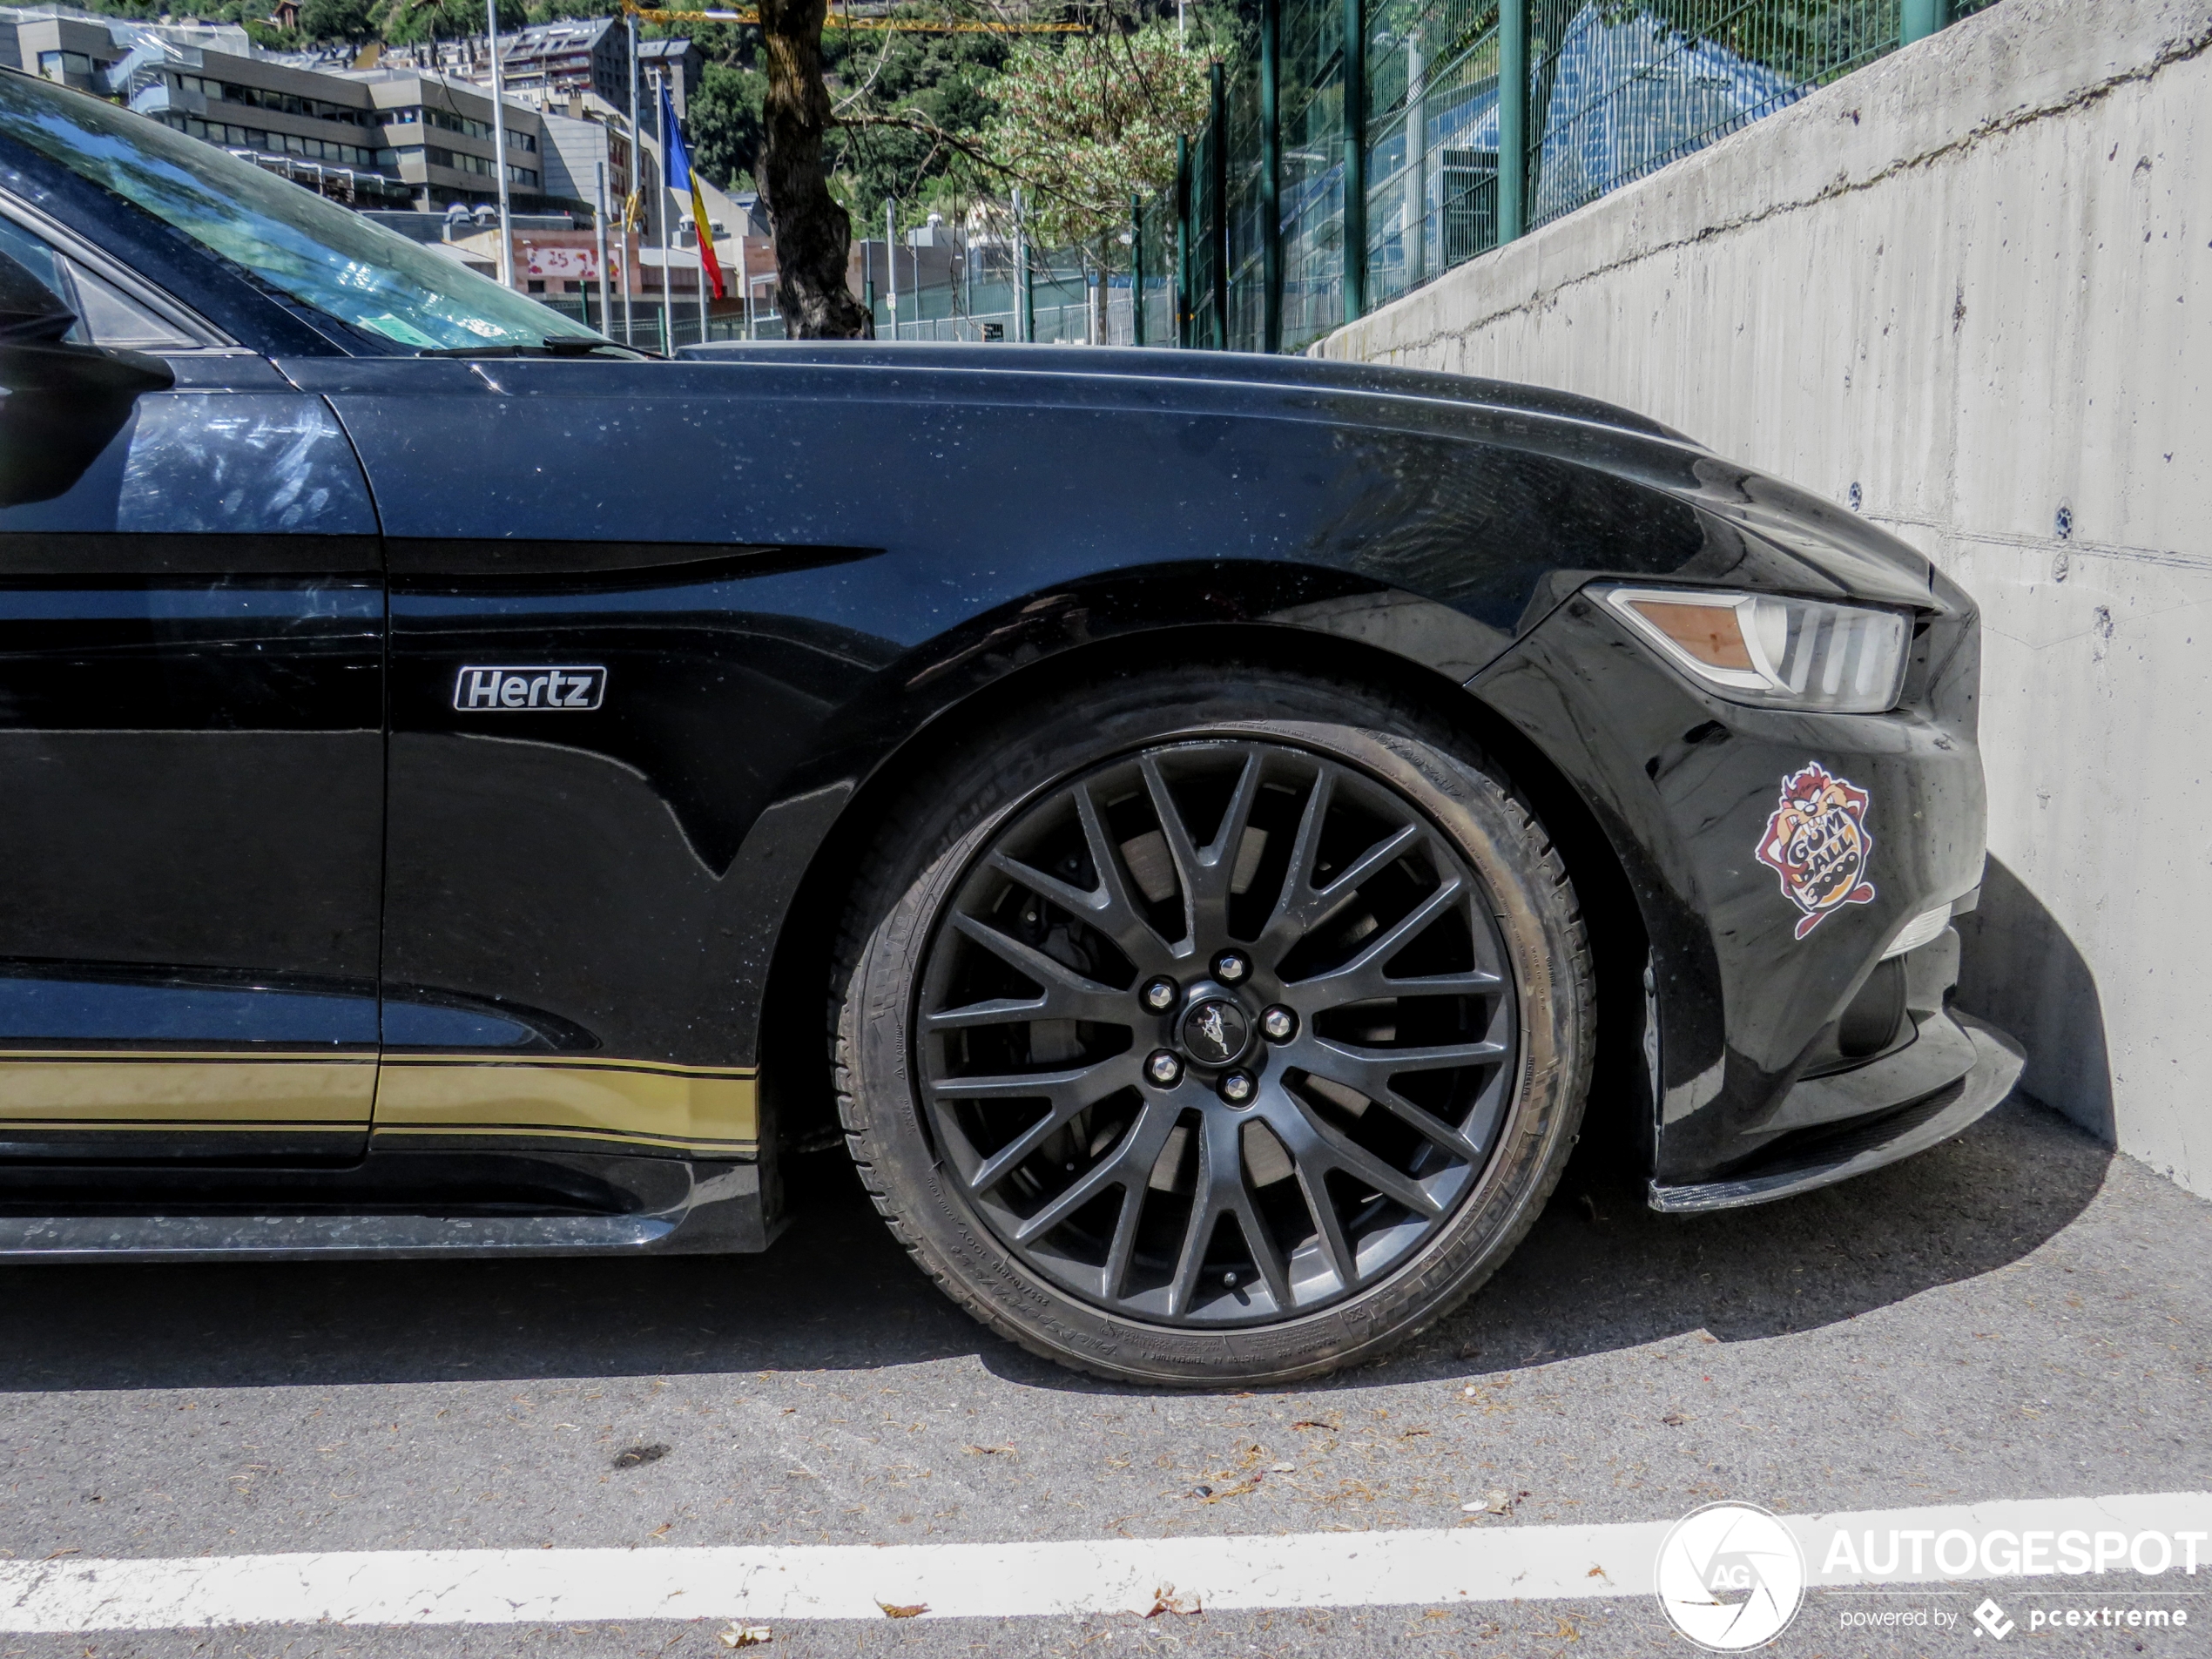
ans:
(680, 176)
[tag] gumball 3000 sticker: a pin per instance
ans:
(1817, 843)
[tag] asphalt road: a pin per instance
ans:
(2017, 1314)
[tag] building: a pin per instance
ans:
(209, 84)
(679, 64)
(439, 130)
(544, 61)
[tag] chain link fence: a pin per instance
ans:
(1371, 146)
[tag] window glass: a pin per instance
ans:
(105, 315)
(321, 254)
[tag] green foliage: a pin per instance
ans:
(723, 122)
(1085, 124)
(940, 81)
(412, 21)
(348, 20)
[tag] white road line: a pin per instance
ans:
(1473, 1564)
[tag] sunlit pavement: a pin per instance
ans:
(2017, 1314)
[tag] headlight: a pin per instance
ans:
(1777, 652)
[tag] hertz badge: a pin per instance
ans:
(500, 690)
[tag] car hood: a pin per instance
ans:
(1835, 549)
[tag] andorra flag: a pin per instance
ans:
(680, 176)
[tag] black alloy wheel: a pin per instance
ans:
(1216, 1032)
(1211, 1026)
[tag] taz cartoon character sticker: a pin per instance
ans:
(1817, 843)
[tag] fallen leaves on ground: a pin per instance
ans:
(1167, 1599)
(746, 1635)
(903, 1609)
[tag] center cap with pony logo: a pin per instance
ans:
(1215, 1031)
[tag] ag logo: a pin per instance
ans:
(1731, 1576)
(1817, 843)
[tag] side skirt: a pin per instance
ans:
(699, 1209)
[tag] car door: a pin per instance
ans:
(192, 621)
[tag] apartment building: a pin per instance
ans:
(544, 61)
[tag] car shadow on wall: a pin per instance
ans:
(1600, 1271)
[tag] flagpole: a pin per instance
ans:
(701, 234)
(744, 274)
(636, 159)
(660, 213)
(499, 148)
(606, 315)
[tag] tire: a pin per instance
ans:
(1403, 926)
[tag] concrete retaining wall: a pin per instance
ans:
(1968, 290)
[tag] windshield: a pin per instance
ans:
(321, 254)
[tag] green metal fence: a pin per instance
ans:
(1370, 145)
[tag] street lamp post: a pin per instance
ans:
(499, 151)
(606, 316)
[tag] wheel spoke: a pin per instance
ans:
(1069, 996)
(1042, 1085)
(1335, 1248)
(1215, 864)
(1475, 982)
(1191, 1259)
(1294, 912)
(1362, 977)
(1176, 835)
(1383, 1064)
(1337, 1151)
(1070, 1092)
(1108, 907)
(1072, 899)
(1128, 1162)
(1231, 1193)
(1003, 1011)
(1115, 1275)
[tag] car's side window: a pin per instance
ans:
(105, 315)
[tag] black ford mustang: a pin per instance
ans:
(1195, 825)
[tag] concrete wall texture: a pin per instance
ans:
(1971, 287)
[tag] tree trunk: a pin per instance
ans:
(813, 235)
(1102, 313)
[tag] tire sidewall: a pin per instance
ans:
(1535, 919)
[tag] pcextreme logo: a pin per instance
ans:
(1992, 1619)
(1731, 1577)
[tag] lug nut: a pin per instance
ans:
(1159, 994)
(1163, 1068)
(1278, 1024)
(1238, 1087)
(1232, 967)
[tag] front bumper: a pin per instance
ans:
(1756, 1087)
(1870, 1142)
